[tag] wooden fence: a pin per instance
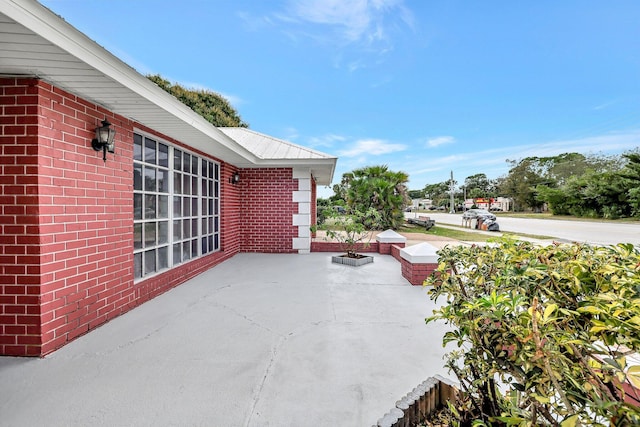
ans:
(420, 403)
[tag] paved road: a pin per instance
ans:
(603, 233)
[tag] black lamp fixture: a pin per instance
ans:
(104, 139)
(235, 178)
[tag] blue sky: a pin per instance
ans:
(423, 86)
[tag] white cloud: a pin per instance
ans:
(374, 147)
(605, 105)
(368, 25)
(351, 17)
(440, 140)
(327, 140)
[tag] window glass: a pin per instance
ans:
(150, 151)
(186, 184)
(149, 206)
(149, 179)
(177, 253)
(137, 265)
(137, 206)
(177, 183)
(177, 230)
(186, 162)
(177, 159)
(176, 206)
(137, 177)
(163, 206)
(186, 251)
(149, 234)
(163, 155)
(150, 261)
(163, 258)
(163, 180)
(137, 147)
(137, 236)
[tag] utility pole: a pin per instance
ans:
(451, 208)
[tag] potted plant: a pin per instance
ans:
(352, 232)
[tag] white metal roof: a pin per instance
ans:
(36, 42)
(268, 147)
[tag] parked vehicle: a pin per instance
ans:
(485, 220)
(475, 213)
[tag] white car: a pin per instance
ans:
(475, 213)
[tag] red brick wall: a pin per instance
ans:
(66, 218)
(66, 221)
(230, 210)
(395, 251)
(267, 210)
(19, 227)
(417, 273)
(387, 248)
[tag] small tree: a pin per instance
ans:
(349, 230)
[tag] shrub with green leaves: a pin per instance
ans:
(351, 230)
(543, 333)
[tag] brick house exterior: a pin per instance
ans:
(76, 249)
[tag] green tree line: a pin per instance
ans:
(595, 186)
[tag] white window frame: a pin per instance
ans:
(202, 235)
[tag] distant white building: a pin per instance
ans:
(421, 203)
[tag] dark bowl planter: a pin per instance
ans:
(356, 261)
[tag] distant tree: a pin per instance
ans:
(379, 188)
(210, 105)
(415, 194)
(521, 182)
(438, 193)
(631, 174)
(479, 185)
(595, 186)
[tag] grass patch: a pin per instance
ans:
(451, 233)
(460, 233)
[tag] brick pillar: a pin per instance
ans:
(418, 262)
(387, 239)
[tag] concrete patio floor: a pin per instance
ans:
(260, 340)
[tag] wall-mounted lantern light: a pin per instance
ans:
(235, 178)
(104, 139)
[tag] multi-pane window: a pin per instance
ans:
(166, 235)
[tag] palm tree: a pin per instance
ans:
(381, 189)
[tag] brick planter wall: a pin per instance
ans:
(395, 251)
(386, 248)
